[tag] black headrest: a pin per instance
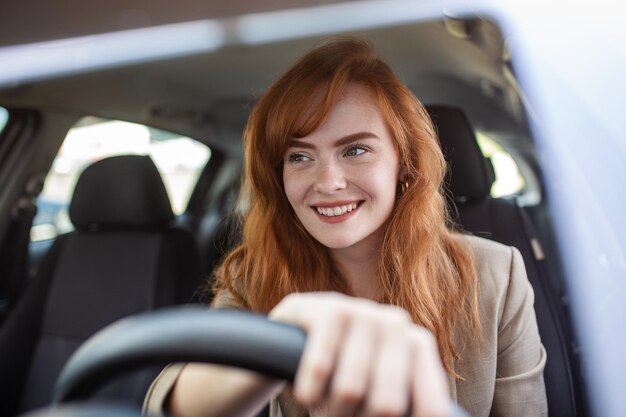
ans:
(470, 175)
(120, 192)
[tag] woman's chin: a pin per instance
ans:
(357, 240)
(338, 244)
(342, 244)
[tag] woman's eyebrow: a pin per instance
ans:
(355, 136)
(339, 142)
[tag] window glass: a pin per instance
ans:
(4, 118)
(509, 180)
(179, 159)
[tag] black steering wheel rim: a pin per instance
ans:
(189, 334)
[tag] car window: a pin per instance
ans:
(4, 118)
(509, 180)
(179, 159)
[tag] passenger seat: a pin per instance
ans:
(124, 257)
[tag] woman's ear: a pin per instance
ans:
(403, 174)
(403, 183)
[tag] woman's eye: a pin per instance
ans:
(356, 150)
(297, 157)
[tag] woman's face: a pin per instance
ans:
(341, 179)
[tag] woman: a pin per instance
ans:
(345, 233)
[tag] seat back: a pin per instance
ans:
(124, 257)
(469, 180)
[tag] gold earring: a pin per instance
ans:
(403, 186)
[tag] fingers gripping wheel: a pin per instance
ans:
(225, 337)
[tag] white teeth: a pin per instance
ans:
(335, 211)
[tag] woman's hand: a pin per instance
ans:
(364, 358)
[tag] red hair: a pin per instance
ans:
(423, 267)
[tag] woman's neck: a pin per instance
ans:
(359, 265)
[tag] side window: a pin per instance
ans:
(179, 159)
(4, 118)
(509, 180)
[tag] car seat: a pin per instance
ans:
(124, 257)
(469, 182)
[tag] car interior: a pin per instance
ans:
(129, 252)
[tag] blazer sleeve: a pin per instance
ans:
(519, 386)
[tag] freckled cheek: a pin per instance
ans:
(295, 188)
(379, 182)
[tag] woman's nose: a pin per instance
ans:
(329, 177)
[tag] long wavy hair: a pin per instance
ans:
(424, 268)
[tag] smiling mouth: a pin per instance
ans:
(335, 211)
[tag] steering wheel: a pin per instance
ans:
(189, 334)
(224, 337)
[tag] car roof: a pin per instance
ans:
(206, 93)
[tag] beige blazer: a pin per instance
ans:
(504, 377)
